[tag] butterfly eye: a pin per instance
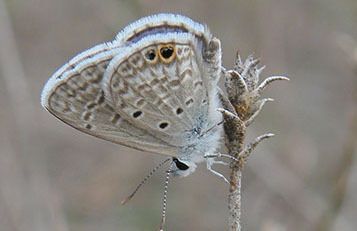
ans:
(180, 165)
(151, 55)
(167, 53)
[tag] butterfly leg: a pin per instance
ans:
(218, 155)
(210, 162)
(220, 162)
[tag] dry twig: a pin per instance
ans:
(241, 107)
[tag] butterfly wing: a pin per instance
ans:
(75, 96)
(159, 109)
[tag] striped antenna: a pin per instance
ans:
(144, 181)
(164, 198)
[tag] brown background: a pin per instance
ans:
(52, 177)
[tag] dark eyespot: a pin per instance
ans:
(150, 55)
(137, 114)
(163, 125)
(179, 111)
(166, 52)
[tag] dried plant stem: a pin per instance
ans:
(235, 132)
(240, 109)
(234, 200)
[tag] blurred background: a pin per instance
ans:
(53, 177)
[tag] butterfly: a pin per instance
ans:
(153, 88)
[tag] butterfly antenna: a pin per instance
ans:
(144, 181)
(164, 199)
